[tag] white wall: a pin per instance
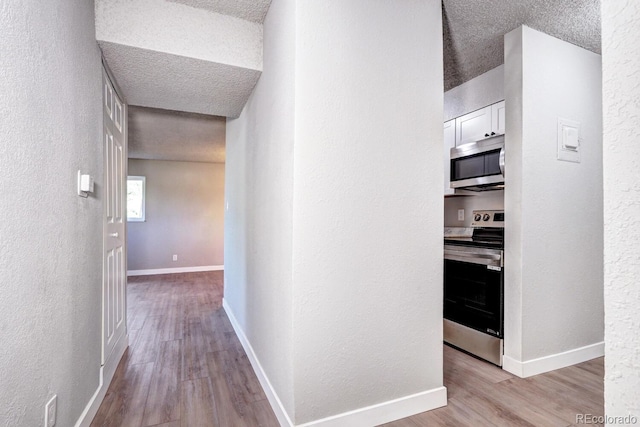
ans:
(50, 239)
(486, 200)
(331, 270)
(171, 27)
(184, 215)
(258, 216)
(553, 229)
(367, 268)
(486, 89)
(621, 89)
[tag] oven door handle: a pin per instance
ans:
(473, 258)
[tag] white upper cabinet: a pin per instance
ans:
(473, 126)
(449, 143)
(497, 117)
(480, 124)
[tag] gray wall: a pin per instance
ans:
(50, 239)
(553, 229)
(621, 89)
(184, 215)
(331, 270)
(258, 215)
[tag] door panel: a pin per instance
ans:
(114, 276)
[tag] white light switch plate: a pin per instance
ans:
(569, 141)
(460, 214)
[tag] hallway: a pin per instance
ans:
(185, 365)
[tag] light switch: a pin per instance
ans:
(569, 140)
(85, 184)
(460, 214)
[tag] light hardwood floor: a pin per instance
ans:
(185, 367)
(480, 394)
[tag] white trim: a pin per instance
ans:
(386, 412)
(272, 396)
(552, 362)
(371, 415)
(175, 270)
(94, 403)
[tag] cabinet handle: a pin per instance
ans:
(493, 133)
(486, 134)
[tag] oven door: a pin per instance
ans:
(473, 288)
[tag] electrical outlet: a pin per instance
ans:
(460, 214)
(175, 257)
(50, 412)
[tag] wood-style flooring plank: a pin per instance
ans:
(127, 398)
(509, 404)
(502, 411)
(404, 422)
(240, 376)
(163, 402)
(145, 349)
(198, 406)
(481, 394)
(263, 414)
(171, 424)
(194, 354)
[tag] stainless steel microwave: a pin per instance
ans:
(478, 166)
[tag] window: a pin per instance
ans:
(135, 198)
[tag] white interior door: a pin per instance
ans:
(114, 260)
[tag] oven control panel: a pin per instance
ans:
(488, 219)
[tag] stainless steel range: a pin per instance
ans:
(474, 286)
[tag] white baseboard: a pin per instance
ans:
(272, 396)
(552, 362)
(386, 412)
(92, 407)
(175, 270)
(369, 416)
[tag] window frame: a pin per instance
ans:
(142, 179)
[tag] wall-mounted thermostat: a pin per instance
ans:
(85, 184)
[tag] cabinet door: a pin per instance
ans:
(497, 117)
(473, 126)
(449, 143)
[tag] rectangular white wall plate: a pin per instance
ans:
(569, 140)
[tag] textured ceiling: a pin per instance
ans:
(474, 30)
(167, 55)
(171, 135)
(173, 82)
(250, 10)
